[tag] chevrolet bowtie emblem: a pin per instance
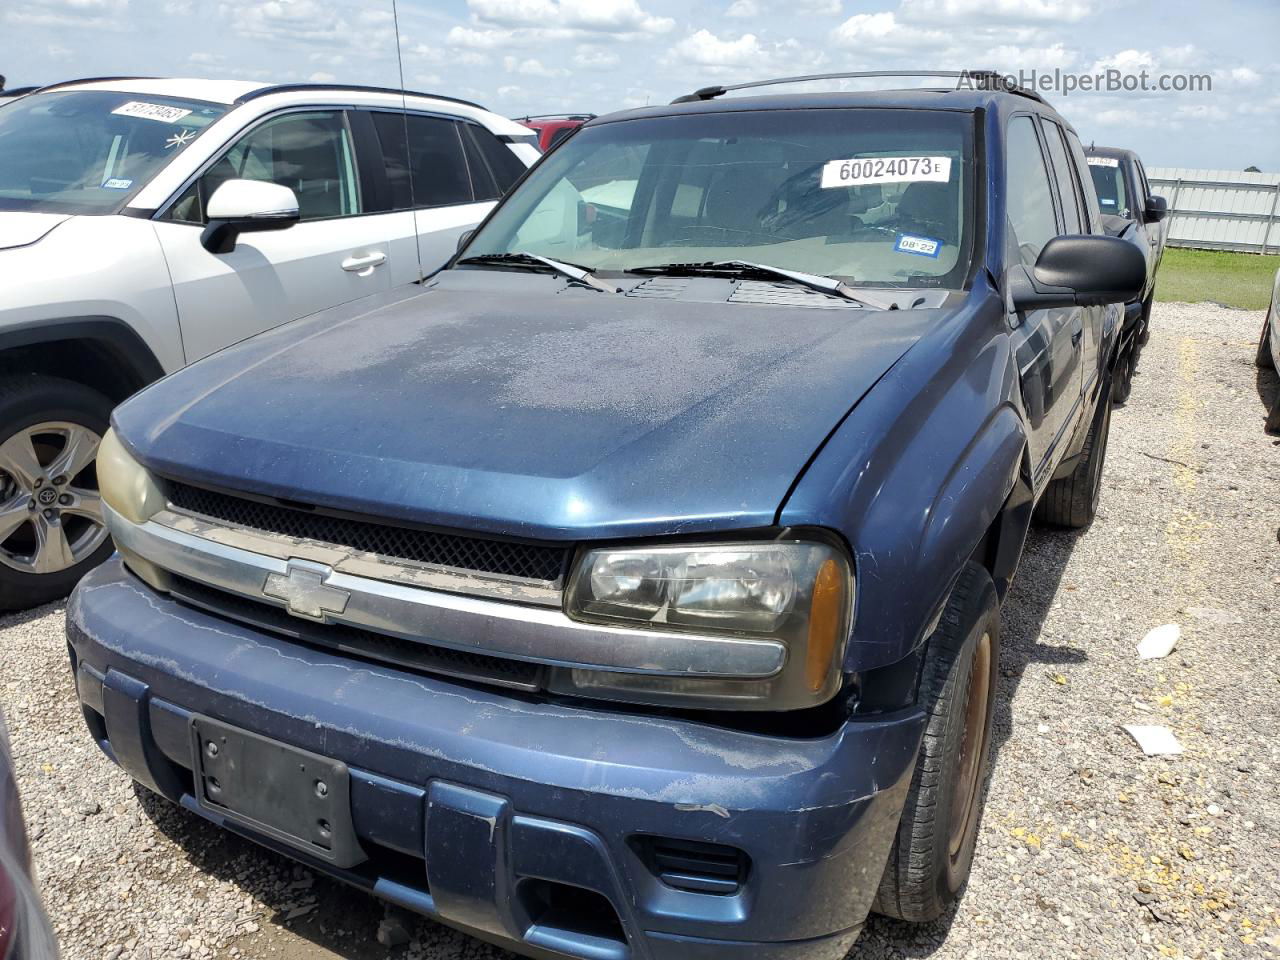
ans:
(302, 587)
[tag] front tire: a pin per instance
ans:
(1263, 358)
(1145, 333)
(1072, 501)
(932, 853)
(1122, 379)
(51, 527)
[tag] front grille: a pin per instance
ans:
(414, 655)
(530, 561)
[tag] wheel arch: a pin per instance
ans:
(103, 353)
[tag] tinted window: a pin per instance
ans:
(310, 153)
(1071, 213)
(503, 167)
(432, 172)
(1087, 189)
(872, 196)
(1028, 197)
(1108, 180)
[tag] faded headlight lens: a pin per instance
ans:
(799, 593)
(125, 484)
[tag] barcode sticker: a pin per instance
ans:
(151, 111)
(1102, 161)
(853, 173)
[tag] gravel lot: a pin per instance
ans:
(1088, 849)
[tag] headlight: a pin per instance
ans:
(125, 484)
(133, 495)
(799, 593)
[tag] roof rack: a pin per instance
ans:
(556, 116)
(347, 88)
(73, 83)
(981, 80)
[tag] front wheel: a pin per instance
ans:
(1122, 378)
(1264, 358)
(1145, 333)
(929, 862)
(51, 526)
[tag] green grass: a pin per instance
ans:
(1235, 279)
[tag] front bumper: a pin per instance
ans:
(466, 799)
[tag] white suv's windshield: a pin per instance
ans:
(88, 151)
(871, 196)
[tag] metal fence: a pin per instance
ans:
(1220, 209)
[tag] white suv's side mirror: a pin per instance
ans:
(244, 206)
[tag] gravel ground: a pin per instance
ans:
(1088, 849)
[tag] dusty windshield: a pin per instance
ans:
(872, 196)
(88, 151)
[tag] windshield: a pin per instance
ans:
(1108, 180)
(872, 196)
(88, 151)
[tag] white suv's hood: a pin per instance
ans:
(20, 229)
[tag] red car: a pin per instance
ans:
(554, 127)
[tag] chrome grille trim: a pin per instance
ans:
(359, 563)
(534, 634)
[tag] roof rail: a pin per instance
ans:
(556, 116)
(73, 83)
(979, 79)
(347, 88)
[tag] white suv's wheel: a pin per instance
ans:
(51, 528)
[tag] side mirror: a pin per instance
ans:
(246, 206)
(464, 238)
(1078, 271)
(1157, 209)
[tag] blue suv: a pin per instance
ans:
(631, 588)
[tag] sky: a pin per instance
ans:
(547, 56)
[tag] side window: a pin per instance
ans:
(1143, 186)
(1067, 189)
(1088, 185)
(1028, 196)
(430, 171)
(502, 166)
(310, 153)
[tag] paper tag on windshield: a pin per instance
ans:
(151, 111)
(853, 173)
(1102, 161)
(920, 246)
(117, 183)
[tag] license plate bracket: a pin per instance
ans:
(293, 796)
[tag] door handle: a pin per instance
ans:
(364, 265)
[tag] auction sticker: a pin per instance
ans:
(920, 246)
(151, 111)
(117, 183)
(853, 173)
(1102, 161)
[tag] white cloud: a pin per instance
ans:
(743, 9)
(604, 16)
(321, 77)
(705, 49)
(82, 14)
(1042, 59)
(883, 31)
(531, 67)
(593, 58)
(1244, 77)
(984, 11)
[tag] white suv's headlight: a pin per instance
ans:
(797, 592)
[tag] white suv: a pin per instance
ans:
(147, 223)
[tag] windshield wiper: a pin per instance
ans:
(813, 281)
(570, 270)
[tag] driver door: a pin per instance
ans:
(335, 253)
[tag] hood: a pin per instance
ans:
(21, 229)
(515, 403)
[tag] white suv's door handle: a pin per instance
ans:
(364, 265)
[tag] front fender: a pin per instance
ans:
(916, 475)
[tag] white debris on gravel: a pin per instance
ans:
(1159, 643)
(1088, 849)
(1155, 741)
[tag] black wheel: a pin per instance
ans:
(1122, 378)
(51, 529)
(1072, 501)
(1263, 358)
(1145, 334)
(929, 862)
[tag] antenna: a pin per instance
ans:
(408, 157)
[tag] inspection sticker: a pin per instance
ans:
(853, 173)
(920, 246)
(117, 183)
(151, 111)
(1102, 161)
